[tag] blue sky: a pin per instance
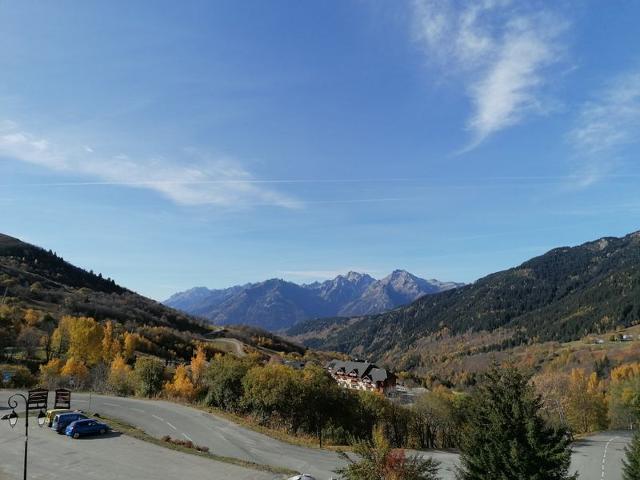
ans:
(172, 144)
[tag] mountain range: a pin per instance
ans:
(277, 304)
(563, 295)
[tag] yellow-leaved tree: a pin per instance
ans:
(51, 373)
(181, 386)
(32, 317)
(119, 379)
(130, 344)
(78, 337)
(108, 342)
(624, 396)
(198, 366)
(76, 370)
(85, 340)
(587, 409)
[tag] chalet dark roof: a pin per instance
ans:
(361, 369)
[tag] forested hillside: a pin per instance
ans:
(38, 290)
(31, 277)
(562, 295)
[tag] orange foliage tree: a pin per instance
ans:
(198, 366)
(181, 386)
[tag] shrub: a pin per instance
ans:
(148, 376)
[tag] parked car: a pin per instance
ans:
(81, 428)
(48, 421)
(62, 420)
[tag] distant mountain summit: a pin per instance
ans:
(277, 304)
(562, 295)
(398, 288)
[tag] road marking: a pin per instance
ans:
(187, 437)
(158, 418)
(604, 455)
(137, 409)
(172, 426)
(111, 404)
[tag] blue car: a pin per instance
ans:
(88, 426)
(62, 420)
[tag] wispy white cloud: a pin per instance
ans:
(605, 125)
(501, 50)
(195, 180)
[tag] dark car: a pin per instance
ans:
(62, 420)
(81, 428)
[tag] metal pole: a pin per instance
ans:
(26, 441)
(13, 404)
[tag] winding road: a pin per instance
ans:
(596, 458)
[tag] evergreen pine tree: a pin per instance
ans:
(507, 439)
(631, 470)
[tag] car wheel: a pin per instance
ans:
(76, 435)
(102, 431)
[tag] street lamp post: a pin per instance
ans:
(37, 399)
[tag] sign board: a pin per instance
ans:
(63, 399)
(37, 399)
(6, 377)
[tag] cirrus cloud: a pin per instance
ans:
(501, 50)
(195, 180)
(605, 124)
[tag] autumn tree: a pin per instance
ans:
(79, 337)
(85, 340)
(76, 371)
(130, 344)
(119, 379)
(31, 317)
(553, 388)
(181, 386)
(198, 366)
(586, 403)
(378, 461)
(109, 342)
(507, 438)
(51, 372)
(624, 396)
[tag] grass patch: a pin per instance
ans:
(130, 430)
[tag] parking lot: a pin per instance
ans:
(110, 456)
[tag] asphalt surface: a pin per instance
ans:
(595, 458)
(113, 457)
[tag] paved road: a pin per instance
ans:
(599, 457)
(111, 457)
(226, 438)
